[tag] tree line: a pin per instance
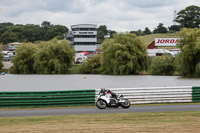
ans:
(30, 32)
(124, 54)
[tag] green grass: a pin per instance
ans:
(173, 122)
(147, 39)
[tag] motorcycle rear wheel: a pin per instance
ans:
(101, 104)
(125, 104)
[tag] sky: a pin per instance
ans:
(118, 15)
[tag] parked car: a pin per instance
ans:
(6, 58)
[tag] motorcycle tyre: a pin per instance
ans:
(125, 106)
(99, 106)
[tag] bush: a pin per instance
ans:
(162, 65)
(92, 66)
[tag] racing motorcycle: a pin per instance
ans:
(106, 98)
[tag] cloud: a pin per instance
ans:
(119, 15)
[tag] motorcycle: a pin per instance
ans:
(107, 100)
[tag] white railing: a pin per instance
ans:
(155, 94)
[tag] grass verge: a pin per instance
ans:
(173, 122)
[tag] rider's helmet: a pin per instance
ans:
(102, 89)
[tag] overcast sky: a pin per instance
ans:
(118, 15)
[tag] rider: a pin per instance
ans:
(104, 91)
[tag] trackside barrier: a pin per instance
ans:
(195, 94)
(87, 97)
(159, 94)
(47, 98)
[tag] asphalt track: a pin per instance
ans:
(76, 111)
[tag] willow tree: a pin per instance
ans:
(124, 54)
(188, 61)
(24, 60)
(54, 57)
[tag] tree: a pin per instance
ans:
(162, 65)
(18, 30)
(138, 32)
(45, 25)
(24, 60)
(112, 32)
(189, 17)
(5, 26)
(57, 31)
(8, 37)
(33, 33)
(92, 66)
(103, 28)
(54, 57)
(160, 29)
(174, 28)
(124, 54)
(188, 60)
(146, 31)
(101, 32)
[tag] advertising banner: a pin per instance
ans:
(166, 41)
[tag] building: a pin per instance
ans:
(83, 37)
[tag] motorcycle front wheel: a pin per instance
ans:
(125, 104)
(101, 104)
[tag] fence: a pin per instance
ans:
(47, 98)
(159, 94)
(87, 97)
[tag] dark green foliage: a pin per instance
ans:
(112, 32)
(160, 29)
(146, 31)
(124, 54)
(30, 32)
(188, 60)
(138, 32)
(24, 60)
(92, 66)
(101, 32)
(174, 28)
(189, 17)
(53, 57)
(8, 37)
(162, 65)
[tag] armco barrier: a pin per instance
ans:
(87, 97)
(159, 94)
(47, 98)
(195, 94)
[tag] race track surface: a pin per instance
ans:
(76, 111)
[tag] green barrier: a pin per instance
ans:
(47, 98)
(196, 94)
